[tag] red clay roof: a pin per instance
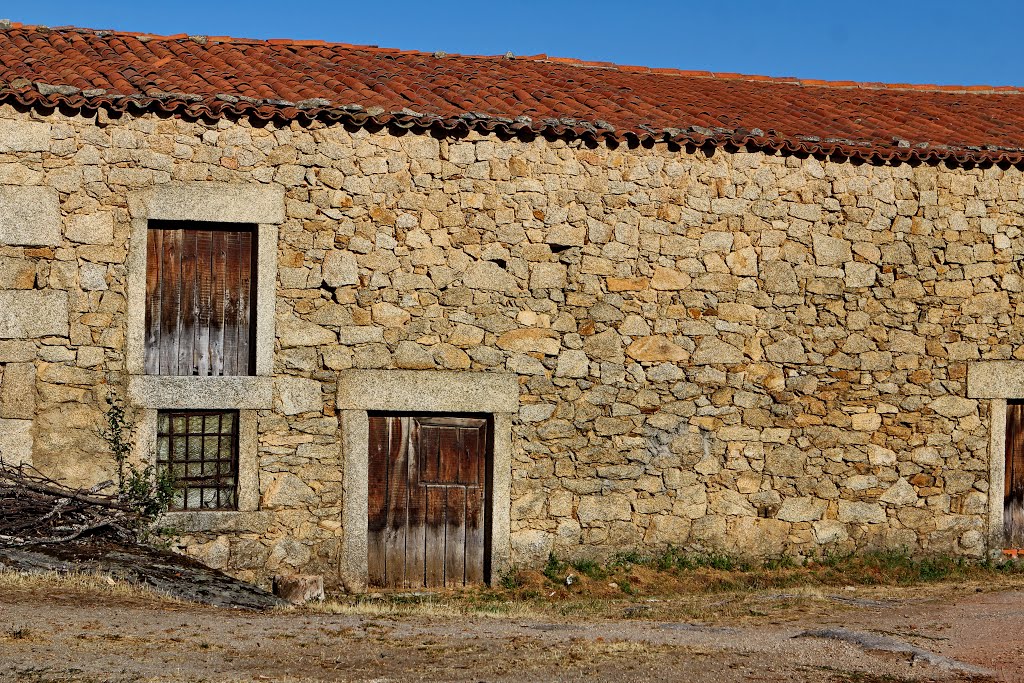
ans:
(204, 76)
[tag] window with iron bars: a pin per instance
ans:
(200, 449)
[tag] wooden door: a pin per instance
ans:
(1013, 489)
(428, 500)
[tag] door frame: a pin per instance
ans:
(997, 381)
(421, 391)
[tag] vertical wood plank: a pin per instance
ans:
(218, 295)
(231, 289)
(170, 309)
(455, 537)
(415, 548)
(188, 316)
(435, 532)
(377, 481)
(398, 504)
(451, 454)
(204, 299)
(154, 295)
(474, 534)
(429, 454)
(245, 294)
(1013, 494)
(476, 450)
(468, 466)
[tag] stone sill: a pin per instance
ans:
(163, 392)
(241, 521)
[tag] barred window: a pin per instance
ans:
(200, 448)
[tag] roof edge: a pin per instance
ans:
(41, 96)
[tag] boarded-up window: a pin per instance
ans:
(200, 449)
(427, 500)
(1013, 491)
(200, 283)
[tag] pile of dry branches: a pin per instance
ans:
(36, 510)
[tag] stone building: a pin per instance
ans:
(386, 311)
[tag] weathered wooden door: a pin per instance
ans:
(428, 500)
(200, 279)
(1013, 489)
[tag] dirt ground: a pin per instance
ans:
(60, 630)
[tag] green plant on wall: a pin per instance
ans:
(147, 490)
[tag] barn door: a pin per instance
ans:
(427, 500)
(1013, 491)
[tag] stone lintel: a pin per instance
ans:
(438, 391)
(201, 393)
(29, 216)
(995, 379)
(32, 313)
(210, 201)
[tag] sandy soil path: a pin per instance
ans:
(956, 634)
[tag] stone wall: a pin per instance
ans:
(752, 353)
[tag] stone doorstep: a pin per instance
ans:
(298, 589)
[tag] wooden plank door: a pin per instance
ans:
(1013, 489)
(427, 501)
(200, 282)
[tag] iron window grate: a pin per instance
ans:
(200, 449)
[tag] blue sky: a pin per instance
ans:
(967, 42)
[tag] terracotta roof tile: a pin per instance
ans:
(223, 76)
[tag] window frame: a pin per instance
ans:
(262, 205)
(214, 482)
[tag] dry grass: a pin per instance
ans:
(96, 583)
(704, 588)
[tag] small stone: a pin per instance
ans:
(860, 512)
(606, 346)
(954, 406)
(297, 395)
(669, 279)
(412, 356)
(860, 275)
(16, 273)
(389, 315)
(530, 339)
(831, 251)
(547, 276)
(655, 349)
(340, 269)
(16, 442)
(743, 263)
(830, 531)
(901, 493)
(287, 491)
(451, 357)
(866, 422)
(93, 228)
(18, 391)
(489, 276)
(789, 350)
(802, 509)
(298, 589)
(572, 363)
(712, 350)
(93, 276)
(292, 331)
(603, 508)
(627, 284)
